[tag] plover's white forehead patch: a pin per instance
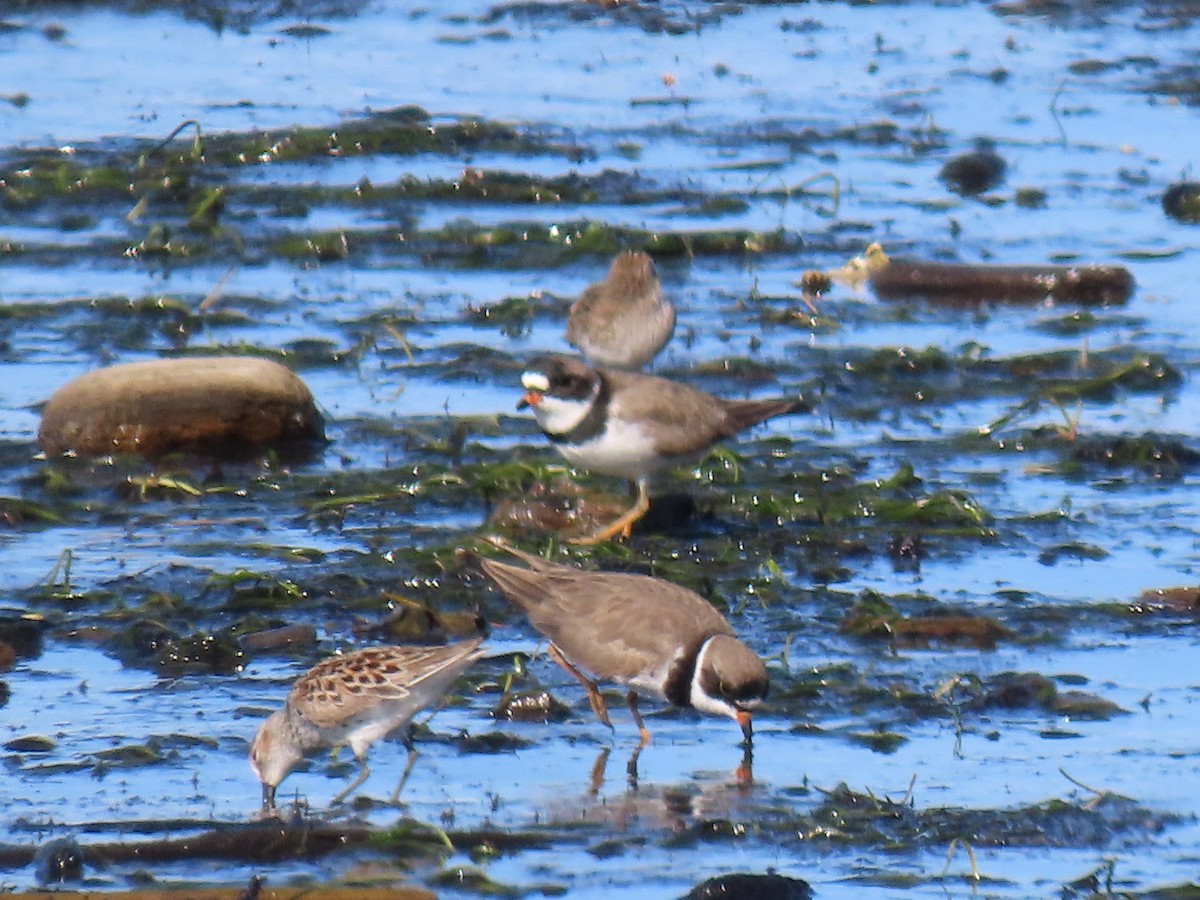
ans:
(535, 381)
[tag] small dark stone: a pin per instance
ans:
(23, 635)
(1016, 690)
(491, 742)
(668, 512)
(31, 743)
(285, 637)
(531, 706)
(974, 173)
(141, 641)
(743, 886)
(1181, 201)
(218, 653)
(59, 861)
(1031, 198)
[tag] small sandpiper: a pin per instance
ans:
(624, 320)
(355, 700)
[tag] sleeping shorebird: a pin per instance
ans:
(624, 320)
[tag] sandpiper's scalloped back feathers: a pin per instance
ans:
(354, 699)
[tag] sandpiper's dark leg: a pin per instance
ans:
(408, 767)
(362, 776)
(599, 707)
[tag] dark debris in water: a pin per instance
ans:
(1013, 690)
(874, 617)
(980, 170)
(531, 706)
(845, 815)
(471, 880)
(59, 861)
(491, 742)
(748, 886)
(236, 15)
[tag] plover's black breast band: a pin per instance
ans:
(678, 686)
(593, 424)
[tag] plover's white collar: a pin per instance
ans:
(555, 415)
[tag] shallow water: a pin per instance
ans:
(759, 98)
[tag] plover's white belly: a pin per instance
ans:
(622, 449)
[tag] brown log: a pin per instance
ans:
(211, 404)
(956, 283)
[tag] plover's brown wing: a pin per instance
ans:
(527, 588)
(741, 414)
(341, 687)
(614, 624)
(623, 626)
(681, 419)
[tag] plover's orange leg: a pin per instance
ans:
(599, 707)
(624, 525)
(637, 717)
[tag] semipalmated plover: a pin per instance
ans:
(643, 632)
(632, 425)
(624, 320)
(355, 699)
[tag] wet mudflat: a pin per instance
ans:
(971, 570)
